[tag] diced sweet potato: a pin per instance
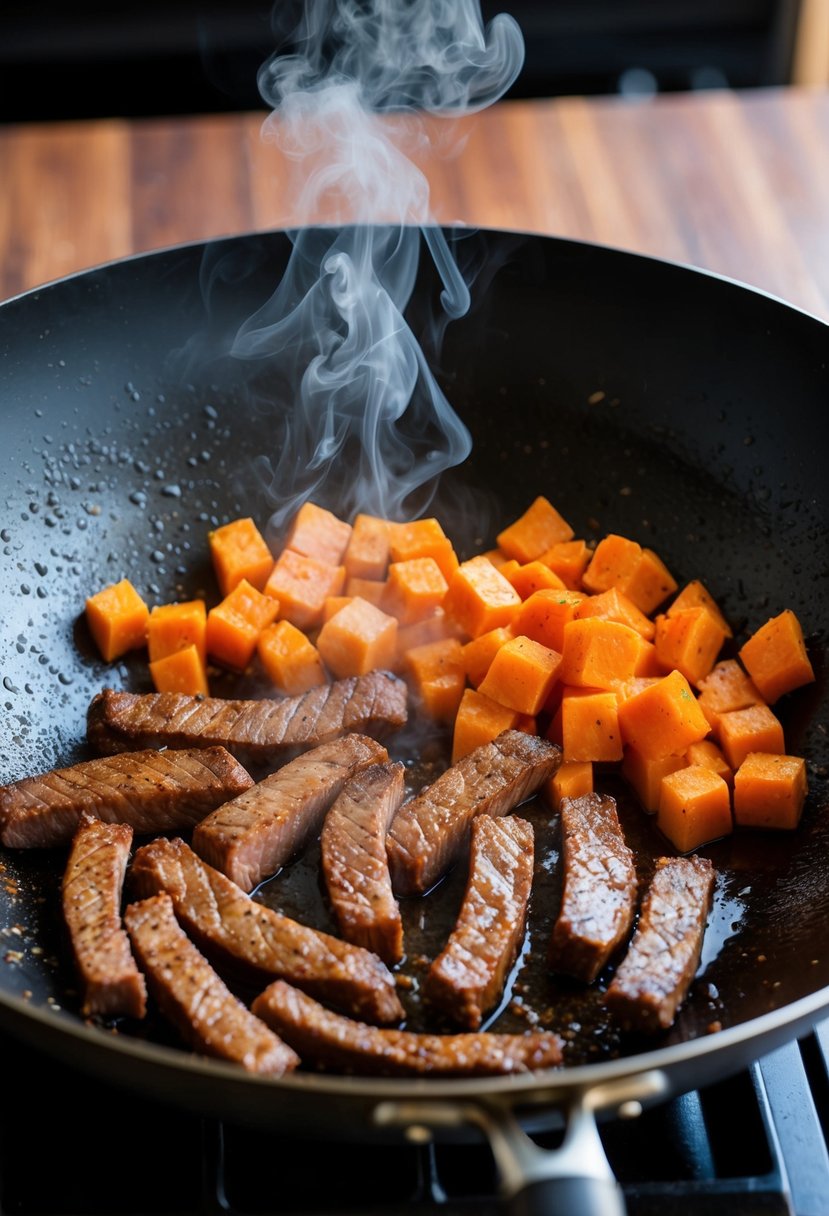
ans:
(117, 618)
(708, 754)
(479, 598)
(367, 588)
(645, 774)
(726, 687)
(663, 718)
(598, 653)
(775, 657)
(590, 726)
(521, 675)
(173, 627)
(318, 533)
(614, 605)
(479, 653)
(302, 585)
(544, 615)
(234, 625)
(180, 671)
(639, 573)
(534, 532)
(239, 551)
(753, 729)
(438, 677)
(770, 791)
(480, 720)
(367, 555)
(695, 595)
(414, 589)
(358, 639)
(423, 538)
(572, 779)
(568, 559)
(430, 629)
(694, 807)
(290, 658)
(689, 640)
(530, 577)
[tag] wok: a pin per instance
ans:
(641, 397)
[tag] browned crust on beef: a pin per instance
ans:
(252, 836)
(467, 978)
(599, 890)
(259, 732)
(193, 997)
(329, 1041)
(653, 979)
(354, 862)
(152, 791)
(111, 984)
(432, 829)
(259, 944)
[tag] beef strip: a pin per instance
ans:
(193, 997)
(252, 836)
(653, 978)
(354, 862)
(258, 943)
(93, 880)
(468, 976)
(599, 890)
(333, 1042)
(152, 791)
(264, 732)
(432, 829)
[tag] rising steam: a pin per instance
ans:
(362, 86)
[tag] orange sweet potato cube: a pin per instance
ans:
(664, 718)
(117, 619)
(544, 615)
(775, 657)
(521, 675)
(598, 653)
(438, 677)
(568, 559)
(695, 595)
(753, 729)
(317, 532)
(290, 658)
(431, 629)
(534, 532)
(645, 774)
(613, 562)
(423, 538)
(572, 779)
(770, 791)
(302, 585)
(590, 725)
(689, 640)
(367, 555)
(708, 754)
(650, 582)
(414, 589)
(479, 598)
(239, 551)
(479, 720)
(367, 588)
(530, 577)
(614, 605)
(358, 639)
(479, 652)
(174, 627)
(726, 687)
(234, 625)
(694, 807)
(180, 671)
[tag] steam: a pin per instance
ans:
(367, 86)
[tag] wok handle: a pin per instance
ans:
(575, 1178)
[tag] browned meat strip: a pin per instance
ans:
(654, 976)
(236, 931)
(152, 791)
(93, 881)
(432, 829)
(192, 996)
(331, 1041)
(599, 891)
(468, 976)
(354, 861)
(262, 732)
(251, 837)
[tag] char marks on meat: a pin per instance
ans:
(111, 984)
(432, 829)
(467, 978)
(330, 1041)
(195, 999)
(354, 862)
(149, 790)
(238, 933)
(264, 732)
(653, 978)
(251, 837)
(599, 891)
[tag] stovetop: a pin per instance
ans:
(754, 1143)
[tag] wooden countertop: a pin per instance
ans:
(733, 182)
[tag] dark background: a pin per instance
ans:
(147, 57)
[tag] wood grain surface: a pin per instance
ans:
(737, 183)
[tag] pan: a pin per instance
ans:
(641, 397)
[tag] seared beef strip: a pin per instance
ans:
(432, 829)
(599, 892)
(265, 732)
(333, 1042)
(111, 983)
(152, 791)
(193, 997)
(354, 862)
(654, 976)
(468, 976)
(237, 932)
(251, 837)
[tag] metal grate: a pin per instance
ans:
(752, 1145)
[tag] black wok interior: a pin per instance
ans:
(640, 397)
